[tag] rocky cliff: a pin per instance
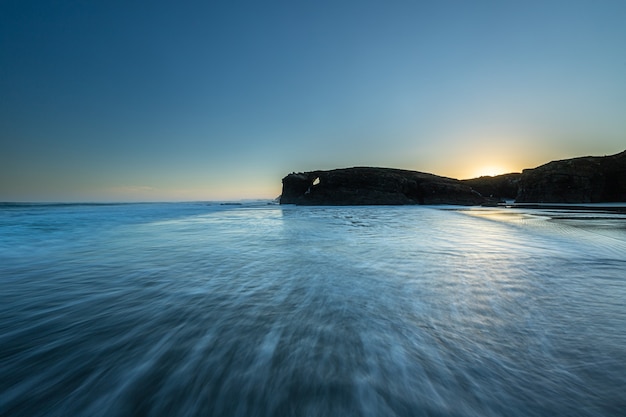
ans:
(579, 180)
(374, 186)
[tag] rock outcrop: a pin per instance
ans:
(499, 187)
(578, 180)
(375, 186)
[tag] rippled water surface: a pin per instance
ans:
(264, 310)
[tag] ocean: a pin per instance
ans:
(203, 309)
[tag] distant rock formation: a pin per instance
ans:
(375, 186)
(579, 180)
(499, 187)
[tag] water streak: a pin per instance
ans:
(257, 310)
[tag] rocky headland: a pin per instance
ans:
(374, 186)
(578, 180)
(589, 179)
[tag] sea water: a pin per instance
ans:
(262, 310)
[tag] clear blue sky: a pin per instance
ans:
(197, 100)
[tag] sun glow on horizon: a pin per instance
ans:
(490, 171)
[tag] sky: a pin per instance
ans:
(218, 100)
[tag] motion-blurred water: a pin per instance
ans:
(264, 310)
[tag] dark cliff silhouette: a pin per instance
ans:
(372, 186)
(586, 179)
(578, 180)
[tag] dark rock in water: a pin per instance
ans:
(578, 180)
(503, 187)
(375, 186)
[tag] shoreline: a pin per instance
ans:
(593, 207)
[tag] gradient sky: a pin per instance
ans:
(199, 100)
